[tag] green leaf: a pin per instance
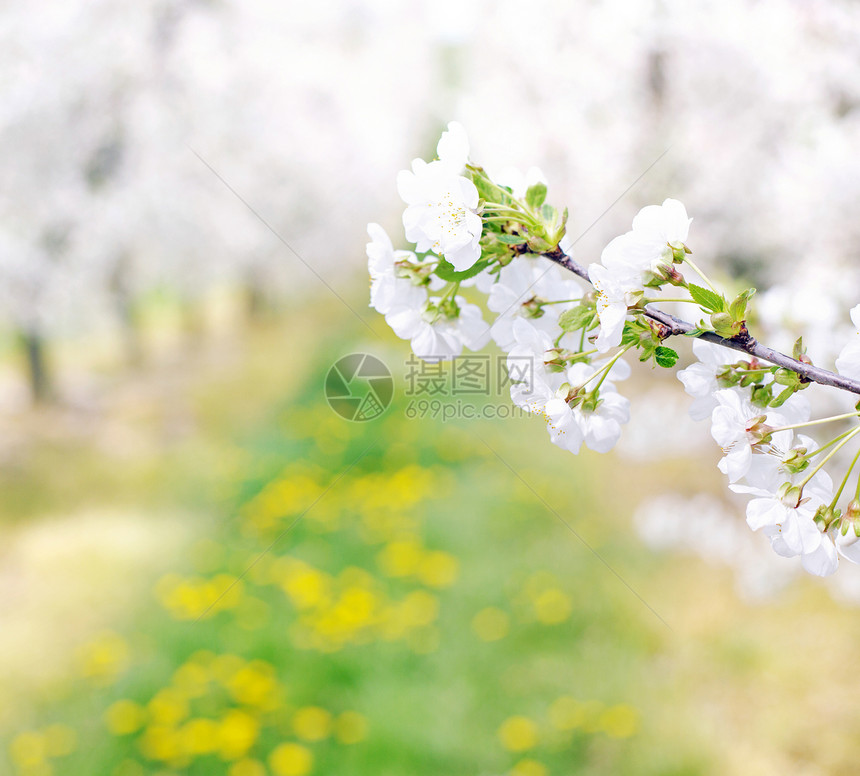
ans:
(761, 395)
(707, 299)
(665, 357)
(446, 271)
(783, 397)
(738, 307)
(694, 333)
(536, 195)
(511, 239)
(549, 215)
(798, 350)
(486, 190)
(576, 318)
(494, 250)
(630, 335)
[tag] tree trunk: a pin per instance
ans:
(37, 368)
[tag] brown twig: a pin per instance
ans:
(744, 342)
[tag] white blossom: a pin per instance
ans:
(788, 518)
(536, 389)
(521, 288)
(441, 213)
(613, 297)
(436, 336)
(571, 425)
(732, 423)
(630, 261)
(700, 379)
(654, 228)
(387, 290)
(792, 530)
(532, 385)
(847, 544)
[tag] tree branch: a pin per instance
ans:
(744, 342)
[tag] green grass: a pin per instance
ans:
(359, 556)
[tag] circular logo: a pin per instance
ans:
(359, 387)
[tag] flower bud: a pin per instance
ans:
(566, 392)
(635, 298)
(679, 251)
(533, 308)
(591, 401)
(723, 324)
(417, 274)
(665, 273)
(849, 525)
(757, 430)
(430, 312)
(727, 376)
(675, 278)
(789, 495)
(795, 460)
(846, 531)
(555, 359)
(785, 377)
(825, 517)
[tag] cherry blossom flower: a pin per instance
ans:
(439, 330)
(536, 389)
(655, 229)
(613, 297)
(571, 425)
(847, 544)
(631, 260)
(520, 293)
(700, 379)
(736, 427)
(386, 288)
(532, 385)
(784, 514)
(441, 213)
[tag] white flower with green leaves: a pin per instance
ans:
(532, 291)
(787, 516)
(596, 423)
(441, 213)
(657, 229)
(615, 293)
(440, 328)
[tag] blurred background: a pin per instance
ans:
(204, 569)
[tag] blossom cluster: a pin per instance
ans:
(475, 234)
